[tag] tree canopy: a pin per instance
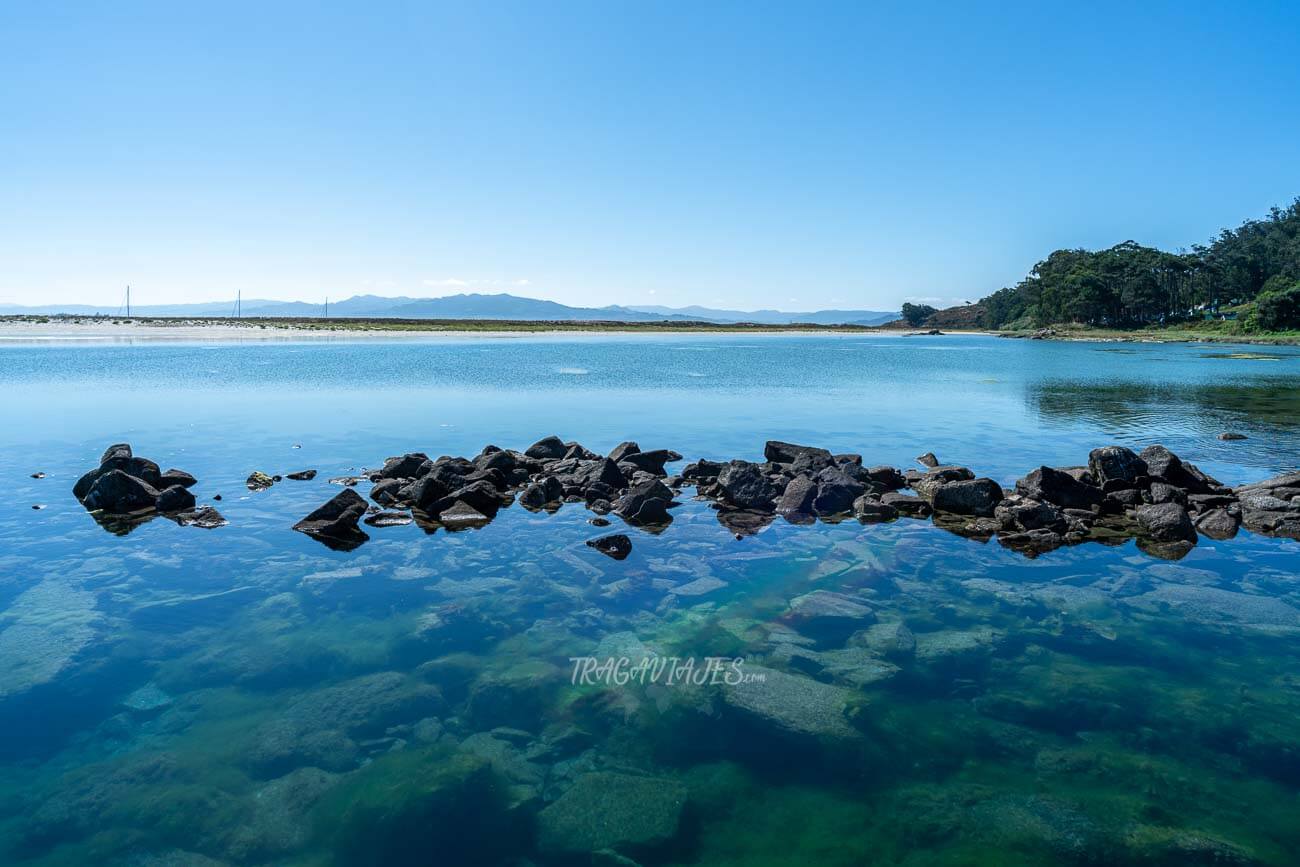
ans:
(1131, 285)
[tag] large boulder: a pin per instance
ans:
(1166, 522)
(118, 493)
(979, 497)
(787, 453)
(645, 503)
(798, 497)
(837, 489)
(547, 448)
(747, 486)
(1060, 488)
(548, 491)
(1116, 467)
(120, 457)
(175, 499)
(405, 467)
(335, 524)
(652, 461)
(1161, 463)
(931, 480)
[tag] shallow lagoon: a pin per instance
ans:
(246, 696)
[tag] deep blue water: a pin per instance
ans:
(1083, 702)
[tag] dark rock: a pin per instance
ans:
(334, 524)
(702, 470)
(787, 453)
(617, 546)
(837, 489)
(653, 461)
(798, 498)
(387, 492)
(645, 503)
(389, 519)
(258, 481)
(932, 479)
(175, 499)
(480, 496)
(744, 522)
(547, 448)
(906, 504)
(747, 486)
(978, 497)
(302, 476)
(1162, 492)
(1218, 524)
(175, 477)
(1058, 487)
(579, 451)
(887, 477)
(1229, 436)
(1163, 464)
(928, 460)
(425, 492)
(1020, 513)
(117, 493)
(1166, 522)
(1031, 543)
(405, 467)
(540, 494)
(1111, 465)
(461, 515)
(1116, 501)
(496, 459)
(622, 450)
(38, 475)
(204, 517)
(599, 522)
(868, 509)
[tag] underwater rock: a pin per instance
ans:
(791, 704)
(258, 481)
(606, 810)
(147, 699)
(317, 730)
(334, 524)
(1229, 436)
(617, 546)
(281, 820)
(891, 640)
(1211, 605)
(46, 626)
(514, 697)
(828, 617)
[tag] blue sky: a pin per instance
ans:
(799, 155)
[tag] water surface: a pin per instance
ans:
(248, 696)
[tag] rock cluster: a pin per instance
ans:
(125, 490)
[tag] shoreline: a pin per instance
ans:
(70, 330)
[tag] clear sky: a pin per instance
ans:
(748, 154)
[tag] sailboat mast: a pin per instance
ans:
(128, 300)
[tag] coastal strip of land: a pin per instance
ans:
(61, 329)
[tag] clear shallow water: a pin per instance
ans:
(248, 696)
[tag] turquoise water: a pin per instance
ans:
(246, 696)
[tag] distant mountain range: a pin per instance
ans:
(472, 306)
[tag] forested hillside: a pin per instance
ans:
(1251, 274)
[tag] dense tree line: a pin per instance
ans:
(1257, 265)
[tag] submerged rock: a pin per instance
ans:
(605, 810)
(791, 704)
(302, 475)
